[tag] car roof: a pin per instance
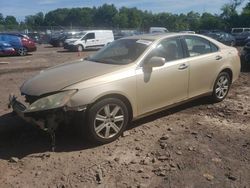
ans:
(13, 34)
(157, 36)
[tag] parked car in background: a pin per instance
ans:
(93, 39)
(36, 37)
(124, 33)
(223, 37)
(247, 40)
(242, 38)
(190, 32)
(245, 55)
(128, 79)
(158, 30)
(6, 49)
(21, 43)
(59, 39)
(240, 30)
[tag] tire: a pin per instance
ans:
(106, 120)
(22, 51)
(80, 48)
(221, 87)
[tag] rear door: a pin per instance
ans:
(204, 60)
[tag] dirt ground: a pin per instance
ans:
(196, 145)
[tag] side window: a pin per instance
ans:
(199, 46)
(90, 36)
(170, 49)
(213, 48)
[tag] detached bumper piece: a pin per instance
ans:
(50, 124)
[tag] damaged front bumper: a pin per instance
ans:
(20, 110)
(47, 120)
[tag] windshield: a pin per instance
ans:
(76, 35)
(237, 30)
(123, 51)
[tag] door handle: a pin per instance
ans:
(183, 66)
(218, 57)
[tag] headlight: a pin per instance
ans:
(51, 102)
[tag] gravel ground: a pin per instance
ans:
(194, 145)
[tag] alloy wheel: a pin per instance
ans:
(80, 48)
(222, 87)
(22, 51)
(109, 121)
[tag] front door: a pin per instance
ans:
(163, 85)
(90, 40)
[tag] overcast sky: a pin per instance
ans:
(22, 8)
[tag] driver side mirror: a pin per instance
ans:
(154, 62)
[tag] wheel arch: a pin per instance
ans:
(120, 97)
(229, 71)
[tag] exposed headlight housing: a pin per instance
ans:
(51, 102)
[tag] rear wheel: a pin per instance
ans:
(221, 87)
(106, 120)
(22, 51)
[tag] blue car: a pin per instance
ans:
(6, 49)
(21, 43)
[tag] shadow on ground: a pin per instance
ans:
(19, 139)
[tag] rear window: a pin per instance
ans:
(237, 30)
(199, 46)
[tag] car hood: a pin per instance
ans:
(70, 40)
(56, 78)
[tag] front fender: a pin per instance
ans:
(86, 96)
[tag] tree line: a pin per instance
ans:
(109, 16)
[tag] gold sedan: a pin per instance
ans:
(126, 80)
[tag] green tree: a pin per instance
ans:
(210, 21)
(56, 17)
(245, 17)
(246, 9)
(193, 19)
(10, 22)
(104, 15)
(1, 19)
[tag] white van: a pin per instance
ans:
(92, 39)
(158, 30)
(237, 31)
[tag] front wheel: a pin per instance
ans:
(221, 87)
(80, 48)
(106, 120)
